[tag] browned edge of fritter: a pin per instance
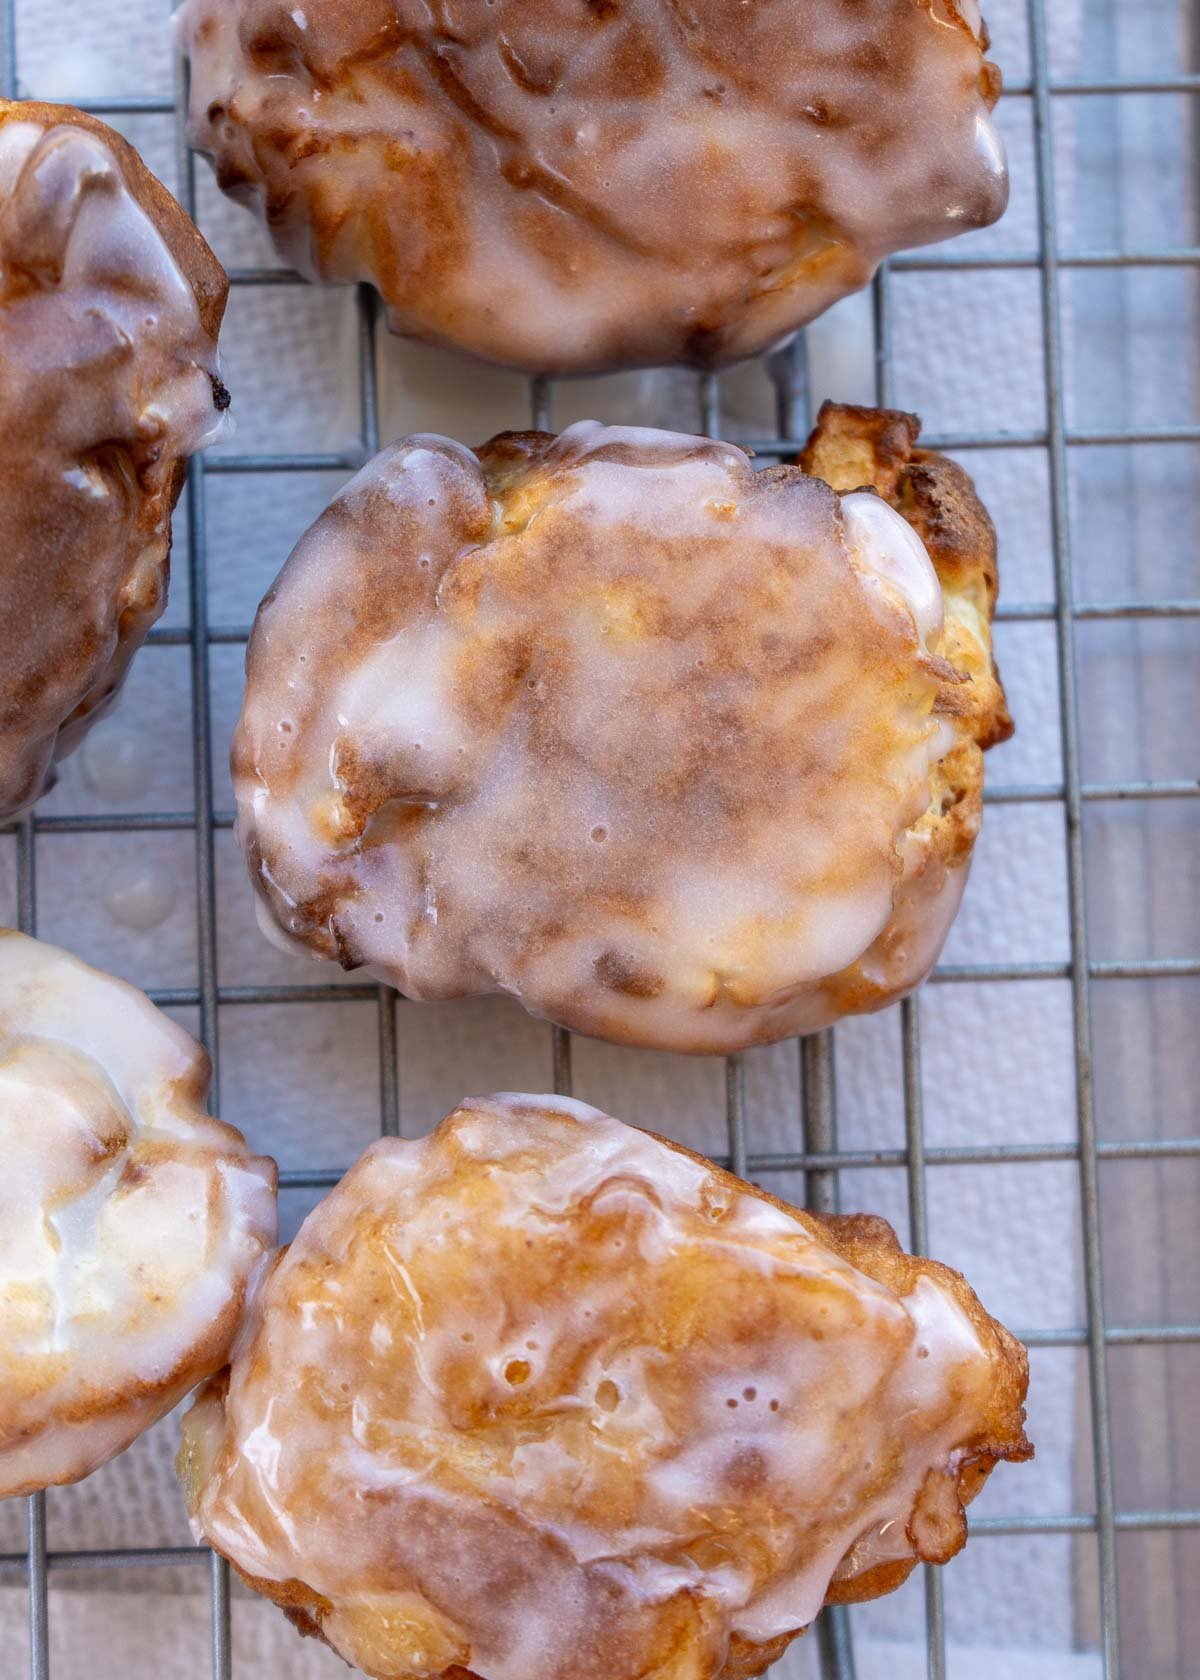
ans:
(855, 448)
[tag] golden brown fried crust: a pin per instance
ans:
(853, 447)
(85, 577)
(869, 1244)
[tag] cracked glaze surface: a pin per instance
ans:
(131, 1223)
(614, 724)
(543, 1397)
(588, 184)
(109, 307)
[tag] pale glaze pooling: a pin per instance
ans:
(131, 1223)
(107, 373)
(542, 1397)
(608, 722)
(585, 184)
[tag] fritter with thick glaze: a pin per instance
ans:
(580, 185)
(131, 1223)
(110, 302)
(677, 753)
(543, 1397)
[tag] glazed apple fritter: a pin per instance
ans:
(676, 753)
(579, 185)
(543, 1397)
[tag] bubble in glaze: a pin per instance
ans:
(380, 1461)
(109, 308)
(581, 185)
(676, 754)
(131, 1223)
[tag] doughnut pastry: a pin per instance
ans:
(110, 303)
(678, 754)
(131, 1224)
(543, 1397)
(580, 185)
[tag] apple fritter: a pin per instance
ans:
(580, 185)
(677, 753)
(110, 303)
(544, 1397)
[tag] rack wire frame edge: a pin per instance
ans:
(820, 1158)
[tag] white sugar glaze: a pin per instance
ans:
(524, 1390)
(131, 1222)
(883, 544)
(627, 731)
(101, 255)
(569, 187)
(107, 377)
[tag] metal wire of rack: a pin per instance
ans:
(820, 1158)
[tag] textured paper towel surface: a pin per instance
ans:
(997, 1058)
(167, 1640)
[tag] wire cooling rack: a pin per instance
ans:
(819, 1158)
